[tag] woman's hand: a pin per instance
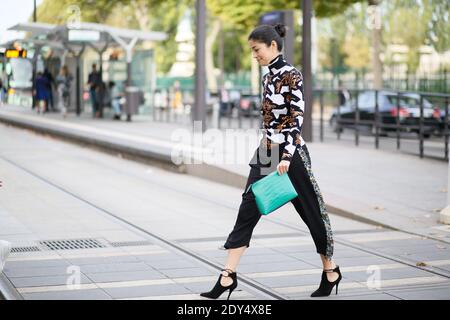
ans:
(283, 167)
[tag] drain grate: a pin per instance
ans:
(130, 243)
(25, 249)
(72, 244)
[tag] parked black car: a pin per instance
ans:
(409, 113)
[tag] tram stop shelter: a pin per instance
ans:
(76, 37)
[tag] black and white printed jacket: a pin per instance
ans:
(283, 106)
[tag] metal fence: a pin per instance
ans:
(418, 123)
(244, 113)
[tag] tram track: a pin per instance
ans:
(254, 286)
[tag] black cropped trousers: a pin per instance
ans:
(309, 204)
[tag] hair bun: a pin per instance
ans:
(280, 29)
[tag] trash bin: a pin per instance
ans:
(133, 96)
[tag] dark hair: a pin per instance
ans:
(266, 34)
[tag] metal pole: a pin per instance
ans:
(306, 70)
(421, 127)
(446, 128)
(377, 121)
(321, 114)
(338, 122)
(289, 39)
(397, 120)
(221, 57)
(357, 119)
(37, 49)
(200, 71)
(35, 12)
(78, 86)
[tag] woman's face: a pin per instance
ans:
(263, 53)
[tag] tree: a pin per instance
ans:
(240, 15)
(357, 55)
(438, 24)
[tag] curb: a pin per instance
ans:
(7, 290)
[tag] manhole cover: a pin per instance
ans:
(130, 243)
(25, 249)
(72, 244)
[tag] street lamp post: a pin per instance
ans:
(34, 12)
(306, 69)
(200, 72)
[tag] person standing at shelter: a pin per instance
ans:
(41, 92)
(94, 80)
(50, 84)
(63, 81)
(2, 93)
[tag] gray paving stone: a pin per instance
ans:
(351, 253)
(388, 274)
(258, 251)
(158, 257)
(35, 264)
(215, 254)
(446, 267)
(187, 272)
(256, 259)
(360, 261)
(115, 267)
(400, 242)
(432, 255)
(376, 296)
(294, 249)
(279, 266)
(102, 260)
(411, 249)
(92, 294)
(291, 281)
(45, 281)
(437, 293)
(35, 272)
(171, 264)
(125, 276)
(342, 292)
(198, 287)
(143, 291)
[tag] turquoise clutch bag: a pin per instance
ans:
(272, 192)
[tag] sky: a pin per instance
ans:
(13, 12)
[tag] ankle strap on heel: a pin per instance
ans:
(228, 271)
(331, 270)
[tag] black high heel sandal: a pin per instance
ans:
(218, 289)
(325, 285)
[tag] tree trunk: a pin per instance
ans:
(376, 44)
(376, 62)
(141, 13)
(210, 76)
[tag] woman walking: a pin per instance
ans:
(282, 110)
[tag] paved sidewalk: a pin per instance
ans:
(390, 189)
(118, 226)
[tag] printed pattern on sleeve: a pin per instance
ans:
(283, 106)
